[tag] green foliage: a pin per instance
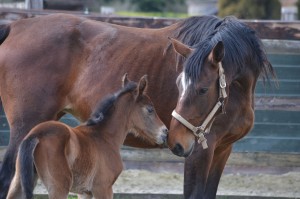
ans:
(152, 14)
(158, 5)
(250, 9)
(150, 5)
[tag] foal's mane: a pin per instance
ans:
(240, 41)
(104, 106)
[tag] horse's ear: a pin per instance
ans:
(218, 52)
(125, 80)
(181, 48)
(142, 86)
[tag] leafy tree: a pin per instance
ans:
(250, 9)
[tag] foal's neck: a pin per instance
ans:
(114, 128)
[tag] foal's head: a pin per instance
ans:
(137, 111)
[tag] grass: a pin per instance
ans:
(152, 14)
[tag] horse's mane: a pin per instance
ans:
(240, 41)
(103, 108)
(193, 29)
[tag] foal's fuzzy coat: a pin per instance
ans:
(86, 159)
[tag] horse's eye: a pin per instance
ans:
(202, 91)
(150, 109)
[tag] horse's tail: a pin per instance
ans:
(4, 32)
(26, 165)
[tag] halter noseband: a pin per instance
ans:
(199, 131)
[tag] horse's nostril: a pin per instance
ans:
(165, 131)
(178, 150)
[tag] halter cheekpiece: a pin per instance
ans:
(201, 130)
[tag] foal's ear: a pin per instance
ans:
(125, 80)
(181, 48)
(218, 52)
(142, 86)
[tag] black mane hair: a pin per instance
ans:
(192, 30)
(242, 46)
(104, 106)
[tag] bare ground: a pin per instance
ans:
(250, 184)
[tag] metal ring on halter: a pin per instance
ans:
(222, 81)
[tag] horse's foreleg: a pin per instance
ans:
(196, 170)
(220, 158)
(7, 170)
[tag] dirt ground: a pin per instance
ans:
(250, 184)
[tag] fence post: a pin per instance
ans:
(34, 4)
(289, 10)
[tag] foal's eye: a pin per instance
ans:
(202, 91)
(150, 109)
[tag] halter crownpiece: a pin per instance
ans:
(203, 129)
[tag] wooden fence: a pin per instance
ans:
(277, 121)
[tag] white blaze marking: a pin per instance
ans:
(185, 84)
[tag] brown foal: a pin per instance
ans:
(86, 159)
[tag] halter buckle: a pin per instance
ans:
(202, 140)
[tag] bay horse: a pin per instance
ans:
(56, 64)
(86, 159)
(215, 107)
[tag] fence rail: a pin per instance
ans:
(266, 29)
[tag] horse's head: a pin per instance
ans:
(202, 91)
(143, 118)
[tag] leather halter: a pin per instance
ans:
(199, 131)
